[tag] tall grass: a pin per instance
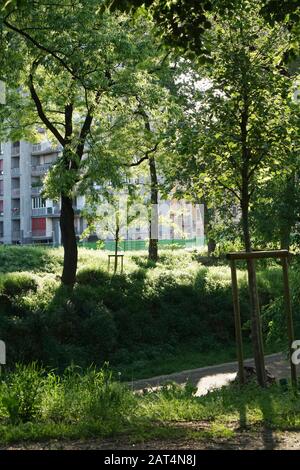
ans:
(37, 404)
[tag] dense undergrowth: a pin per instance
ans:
(36, 404)
(150, 315)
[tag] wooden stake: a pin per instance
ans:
(237, 323)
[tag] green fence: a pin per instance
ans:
(136, 245)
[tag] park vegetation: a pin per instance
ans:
(203, 101)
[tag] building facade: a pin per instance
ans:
(26, 217)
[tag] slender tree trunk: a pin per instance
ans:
(69, 241)
(253, 294)
(257, 341)
(116, 244)
(153, 228)
(211, 243)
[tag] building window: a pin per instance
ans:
(38, 202)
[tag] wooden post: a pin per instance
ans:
(289, 317)
(237, 322)
(258, 348)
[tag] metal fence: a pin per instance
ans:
(139, 245)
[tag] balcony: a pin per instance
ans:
(15, 171)
(36, 148)
(44, 148)
(16, 235)
(15, 213)
(15, 150)
(39, 233)
(38, 170)
(45, 211)
(15, 192)
(36, 190)
(39, 211)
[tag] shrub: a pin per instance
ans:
(138, 316)
(21, 393)
(13, 284)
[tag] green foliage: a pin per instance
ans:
(21, 393)
(239, 138)
(14, 284)
(274, 317)
(36, 404)
(30, 393)
(154, 311)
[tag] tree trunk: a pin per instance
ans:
(257, 341)
(153, 227)
(211, 243)
(116, 252)
(69, 241)
(211, 246)
(116, 244)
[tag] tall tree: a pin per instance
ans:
(137, 137)
(68, 60)
(244, 119)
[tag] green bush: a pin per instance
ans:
(21, 393)
(13, 284)
(142, 315)
(29, 393)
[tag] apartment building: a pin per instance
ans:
(25, 217)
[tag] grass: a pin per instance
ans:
(88, 403)
(156, 318)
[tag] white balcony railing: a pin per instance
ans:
(43, 147)
(36, 190)
(38, 233)
(37, 170)
(36, 148)
(39, 211)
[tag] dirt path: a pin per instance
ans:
(207, 378)
(260, 439)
